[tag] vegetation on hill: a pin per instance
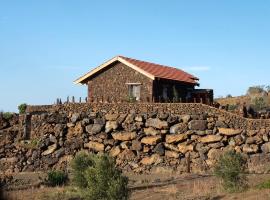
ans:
(256, 97)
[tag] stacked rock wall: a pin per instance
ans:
(142, 137)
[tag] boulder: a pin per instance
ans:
(59, 153)
(171, 154)
(171, 147)
(214, 154)
(127, 155)
(153, 159)
(159, 149)
(50, 150)
(199, 125)
(221, 124)
(156, 123)
(151, 131)
(151, 140)
(210, 139)
(115, 151)
(75, 117)
(185, 118)
(124, 136)
(139, 118)
(111, 117)
(266, 147)
(250, 148)
(229, 131)
(183, 148)
(175, 138)
(178, 128)
(93, 129)
(110, 126)
(136, 145)
(96, 146)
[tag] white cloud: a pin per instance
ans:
(198, 68)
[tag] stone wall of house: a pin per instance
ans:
(111, 85)
(142, 137)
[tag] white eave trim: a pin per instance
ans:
(117, 58)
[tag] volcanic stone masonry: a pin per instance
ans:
(143, 138)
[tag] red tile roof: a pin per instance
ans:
(161, 71)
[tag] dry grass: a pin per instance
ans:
(202, 188)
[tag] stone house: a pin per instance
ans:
(125, 79)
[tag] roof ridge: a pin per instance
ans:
(160, 65)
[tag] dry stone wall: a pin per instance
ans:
(142, 137)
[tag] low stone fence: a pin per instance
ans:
(142, 137)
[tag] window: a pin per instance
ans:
(134, 90)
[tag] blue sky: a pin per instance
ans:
(45, 45)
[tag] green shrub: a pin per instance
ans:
(7, 115)
(231, 168)
(98, 178)
(22, 108)
(264, 185)
(79, 165)
(56, 178)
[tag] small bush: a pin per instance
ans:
(264, 185)
(56, 178)
(22, 108)
(79, 165)
(231, 168)
(7, 115)
(99, 178)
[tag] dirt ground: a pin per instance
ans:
(149, 187)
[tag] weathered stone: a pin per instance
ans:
(70, 125)
(125, 145)
(175, 138)
(200, 133)
(229, 131)
(151, 140)
(252, 132)
(50, 150)
(136, 145)
(183, 148)
(221, 124)
(163, 116)
(171, 154)
(151, 131)
(52, 139)
(154, 159)
(115, 151)
(93, 129)
(250, 148)
(75, 117)
(159, 149)
(110, 126)
(214, 154)
(199, 125)
(170, 147)
(266, 147)
(111, 117)
(127, 155)
(139, 119)
(59, 153)
(210, 138)
(156, 123)
(124, 136)
(178, 128)
(250, 140)
(185, 118)
(96, 146)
